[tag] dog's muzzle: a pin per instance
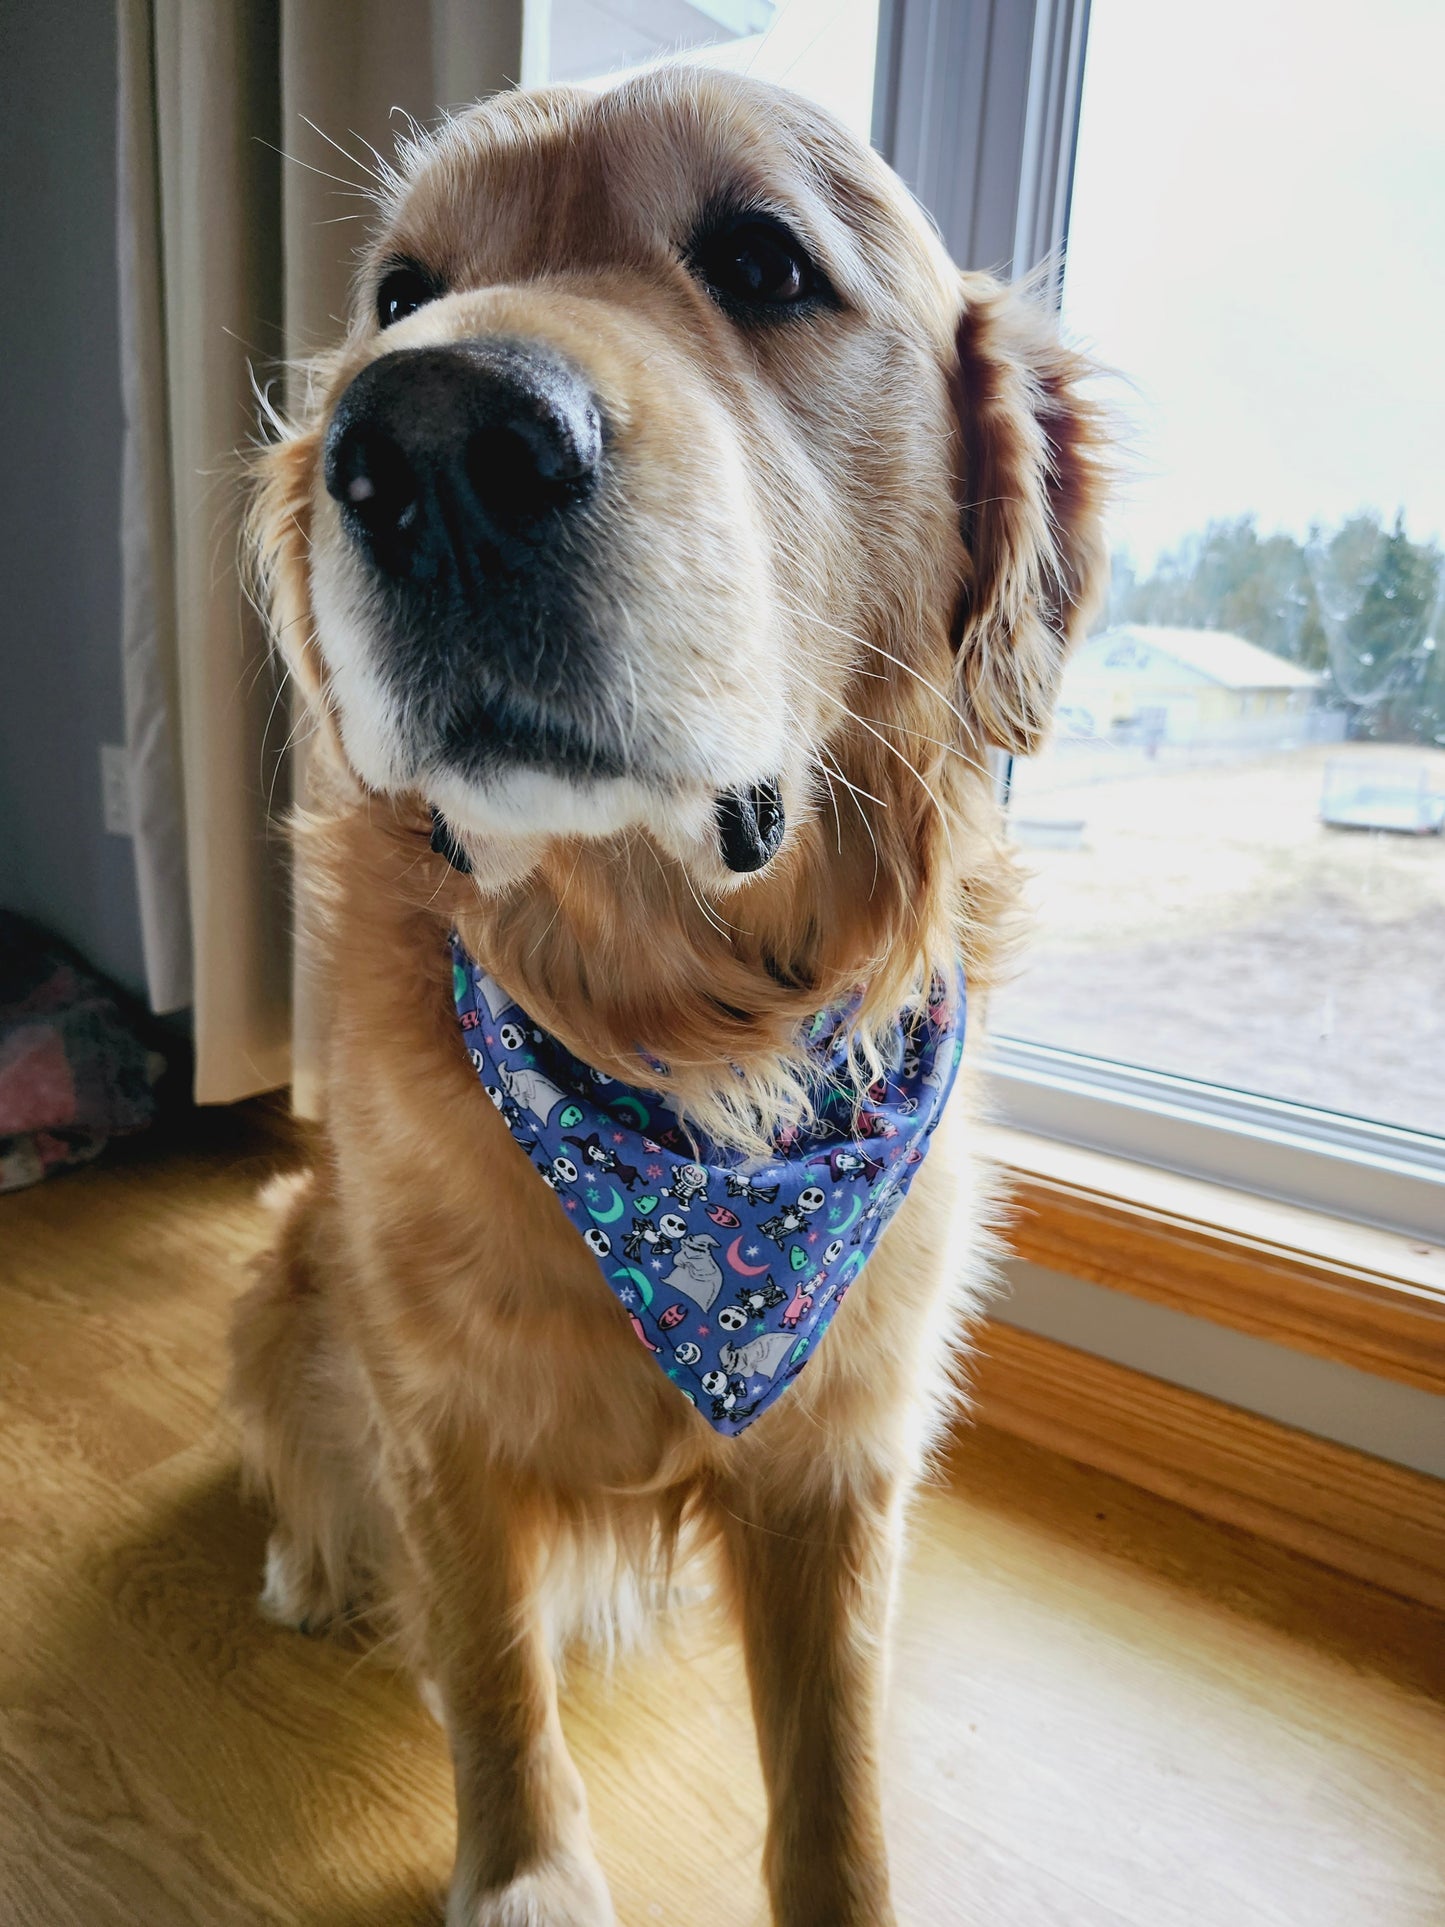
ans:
(465, 475)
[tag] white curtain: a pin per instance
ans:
(233, 260)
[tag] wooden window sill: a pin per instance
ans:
(1364, 1297)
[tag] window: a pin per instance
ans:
(822, 48)
(1236, 837)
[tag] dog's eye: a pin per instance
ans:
(756, 263)
(404, 290)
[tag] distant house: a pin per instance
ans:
(1141, 684)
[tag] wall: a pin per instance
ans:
(60, 577)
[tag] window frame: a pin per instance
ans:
(1346, 1167)
(1012, 74)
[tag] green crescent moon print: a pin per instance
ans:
(619, 1205)
(631, 1275)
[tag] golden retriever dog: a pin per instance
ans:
(661, 554)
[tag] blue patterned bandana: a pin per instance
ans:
(731, 1271)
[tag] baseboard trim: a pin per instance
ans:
(1379, 1522)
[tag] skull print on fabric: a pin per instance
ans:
(729, 1271)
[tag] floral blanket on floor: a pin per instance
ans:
(73, 1072)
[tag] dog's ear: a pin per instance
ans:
(1031, 479)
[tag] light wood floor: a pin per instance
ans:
(1105, 1710)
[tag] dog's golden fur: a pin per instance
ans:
(888, 524)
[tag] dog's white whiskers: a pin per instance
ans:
(303, 716)
(295, 160)
(345, 153)
(557, 909)
(893, 750)
(630, 734)
(723, 930)
(810, 744)
(388, 179)
(417, 133)
(932, 687)
(846, 781)
(635, 704)
(856, 795)
(823, 771)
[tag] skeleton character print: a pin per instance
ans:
(792, 1218)
(511, 1111)
(728, 1275)
(741, 1187)
(752, 1301)
(689, 1185)
(661, 1239)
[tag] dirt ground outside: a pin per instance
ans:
(1208, 923)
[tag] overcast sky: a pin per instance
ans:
(1258, 243)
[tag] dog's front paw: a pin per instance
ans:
(294, 1592)
(566, 1891)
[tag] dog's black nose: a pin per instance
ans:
(462, 458)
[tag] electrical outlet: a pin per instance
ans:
(115, 788)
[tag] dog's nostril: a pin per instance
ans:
(367, 473)
(519, 470)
